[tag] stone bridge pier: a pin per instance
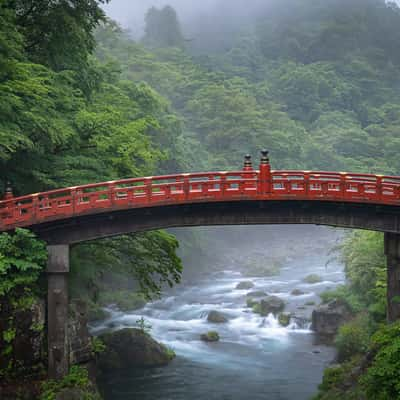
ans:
(57, 310)
(392, 251)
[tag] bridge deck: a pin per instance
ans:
(246, 185)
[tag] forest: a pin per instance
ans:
(316, 82)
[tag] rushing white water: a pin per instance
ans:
(256, 355)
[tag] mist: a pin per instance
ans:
(130, 14)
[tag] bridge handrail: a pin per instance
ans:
(199, 186)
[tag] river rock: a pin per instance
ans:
(268, 305)
(72, 394)
(211, 336)
(132, 347)
(312, 278)
(245, 285)
(216, 317)
(327, 318)
(284, 318)
(297, 292)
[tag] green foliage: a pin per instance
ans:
(22, 259)
(344, 294)
(143, 325)
(124, 299)
(381, 380)
(58, 34)
(353, 338)
(78, 378)
(162, 28)
(365, 263)
(98, 345)
(149, 258)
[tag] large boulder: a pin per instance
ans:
(216, 317)
(269, 305)
(245, 285)
(131, 347)
(327, 318)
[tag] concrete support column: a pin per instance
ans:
(392, 251)
(57, 311)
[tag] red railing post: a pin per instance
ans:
(149, 189)
(186, 186)
(378, 190)
(265, 178)
(343, 180)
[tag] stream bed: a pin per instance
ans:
(256, 358)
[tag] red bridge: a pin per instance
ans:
(68, 216)
(244, 185)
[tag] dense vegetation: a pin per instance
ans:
(314, 81)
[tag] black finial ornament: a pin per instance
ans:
(9, 192)
(247, 161)
(264, 157)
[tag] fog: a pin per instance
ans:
(130, 13)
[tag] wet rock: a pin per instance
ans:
(131, 347)
(256, 294)
(327, 318)
(211, 336)
(297, 292)
(268, 305)
(312, 278)
(72, 394)
(284, 319)
(245, 285)
(216, 317)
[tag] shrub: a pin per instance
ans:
(353, 338)
(382, 379)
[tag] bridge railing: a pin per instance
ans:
(210, 186)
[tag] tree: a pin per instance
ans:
(163, 28)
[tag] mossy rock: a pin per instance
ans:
(216, 317)
(245, 285)
(284, 319)
(250, 302)
(256, 294)
(211, 336)
(269, 305)
(310, 303)
(297, 292)
(312, 279)
(131, 347)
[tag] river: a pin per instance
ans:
(256, 357)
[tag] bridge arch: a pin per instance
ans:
(248, 197)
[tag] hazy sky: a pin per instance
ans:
(130, 13)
